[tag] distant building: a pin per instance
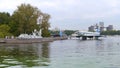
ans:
(110, 27)
(91, 28)
(101, 29)
(101, 26)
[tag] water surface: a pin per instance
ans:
(104, 53)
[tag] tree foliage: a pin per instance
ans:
(4, 18)
(25, 19)
(54, 32)
(14, 26)
(4, 24)
(69, 32)
(45, 25)
(4, 31)
(113, 32)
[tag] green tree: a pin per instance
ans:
(25, 19)
(112, 32)
(45, 25)
(69, 32)
(4, 31)
(14, 26)
(4, 18)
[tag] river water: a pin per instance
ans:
(72, 53)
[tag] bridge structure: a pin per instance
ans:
(88, 34)
(85, 35)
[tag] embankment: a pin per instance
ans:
(31, 40)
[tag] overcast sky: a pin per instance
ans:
(72, 14)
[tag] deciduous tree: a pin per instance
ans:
(25, 19)
(4, 18)
(45, 25)
(4, 31)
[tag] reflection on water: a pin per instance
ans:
(104, 53)
(24, 55)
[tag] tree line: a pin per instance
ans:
(24, 20)
(112, 32)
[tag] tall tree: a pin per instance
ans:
(45, 25)
(4, 30)
(25, 19)
(4, 24)
(4, 18)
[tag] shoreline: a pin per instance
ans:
(31, 40)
